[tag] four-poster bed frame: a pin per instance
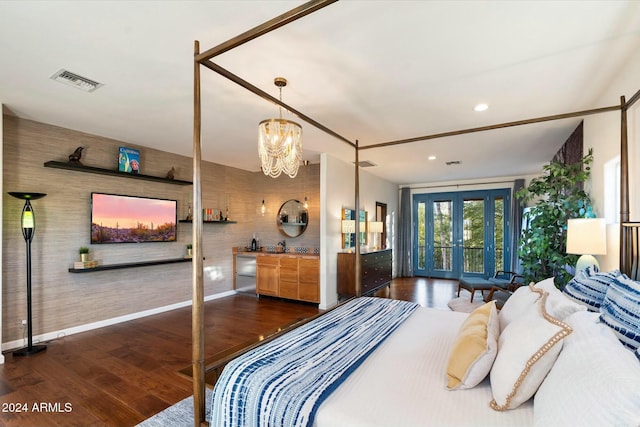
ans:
(629, 231)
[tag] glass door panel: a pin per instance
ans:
(421, 237)
(498, 233)
(473, 241)
(442, 226)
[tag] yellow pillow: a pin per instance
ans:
(474, 349)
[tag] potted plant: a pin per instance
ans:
(84, 253)
(559, 196)
(189, 250)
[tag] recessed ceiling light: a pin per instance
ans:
(480, 107)
(432, 157)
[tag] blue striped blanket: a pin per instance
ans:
(283, 382)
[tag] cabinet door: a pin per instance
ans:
(309, 280)
(267, 275)
(288, 286)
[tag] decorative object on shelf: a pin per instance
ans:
(79, 265)
(84, 253)
(226, 212)
(586, 237)
(172, 173)
(129, 160)
(189, 250)
(280, 142)
(76, 155)
(28, 225)
(375, 227)
(189, 213)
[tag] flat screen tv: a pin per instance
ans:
(132, 219)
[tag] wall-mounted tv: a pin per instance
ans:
(132, 219)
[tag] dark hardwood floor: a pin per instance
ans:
(122, 374)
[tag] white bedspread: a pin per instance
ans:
(403, 384)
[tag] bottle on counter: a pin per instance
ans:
(254, 243)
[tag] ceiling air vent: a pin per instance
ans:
(365, 164)
(75, 80)
(453, 162)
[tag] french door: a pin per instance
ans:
(461, 233)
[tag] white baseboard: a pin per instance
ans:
(49, 336)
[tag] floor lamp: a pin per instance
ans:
(28, 224)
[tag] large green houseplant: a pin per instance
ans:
(558, 195)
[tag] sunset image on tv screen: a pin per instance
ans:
(128, 219)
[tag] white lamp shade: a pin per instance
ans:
(375, 226)
(348, 226)
(587, 236)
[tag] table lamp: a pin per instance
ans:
(586, 237)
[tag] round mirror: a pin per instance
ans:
(292, 218)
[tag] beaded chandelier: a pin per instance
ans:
(280, 143)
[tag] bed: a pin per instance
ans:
(582, 373)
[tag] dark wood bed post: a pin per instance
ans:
(625, 254)
(357, 266)
(197, 309)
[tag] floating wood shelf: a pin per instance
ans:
(128, 265)
(188, 221)
(112, 172)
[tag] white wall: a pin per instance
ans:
(602, 133)
(337, 191)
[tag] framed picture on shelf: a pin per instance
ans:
(129, 160)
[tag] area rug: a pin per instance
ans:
(178, 415)
(463, 304)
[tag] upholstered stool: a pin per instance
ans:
(473, 284)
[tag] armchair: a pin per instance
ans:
(503, 288)
(502, 280)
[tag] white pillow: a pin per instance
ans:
(517, 304)
(474, 349)
(558, 305)
(527, 349)
(594, 382)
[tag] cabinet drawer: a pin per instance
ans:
(309, 292)
(267, 260)
(288, 274)
(288, 289)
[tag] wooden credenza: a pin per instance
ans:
(376, 268)
(294, 277)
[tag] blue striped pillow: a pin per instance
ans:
(620, 310)
(589, 287)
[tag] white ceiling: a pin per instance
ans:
(373, 71)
